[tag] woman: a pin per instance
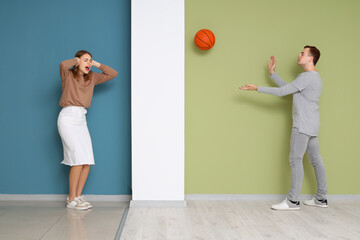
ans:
(78, 83)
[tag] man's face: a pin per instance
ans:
(305, 57)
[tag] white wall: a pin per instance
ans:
(157, 69)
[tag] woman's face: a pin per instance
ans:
(85, 63)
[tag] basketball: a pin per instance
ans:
(204, 39)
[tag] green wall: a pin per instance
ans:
(237, 142)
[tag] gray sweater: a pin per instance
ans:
(306, 90)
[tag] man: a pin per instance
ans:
(306, 90)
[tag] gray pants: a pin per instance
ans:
(299, 144)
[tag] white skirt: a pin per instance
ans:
(75, 136)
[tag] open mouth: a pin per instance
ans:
(87, 68)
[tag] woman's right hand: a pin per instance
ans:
(271, 65)
(78, 61)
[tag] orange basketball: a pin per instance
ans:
(204, 39)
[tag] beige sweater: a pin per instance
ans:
(79, 93)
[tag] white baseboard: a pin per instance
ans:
(344, 197)
(114, 198)
(157, 204)
(263, 197)
(231, 197)
(61, 197)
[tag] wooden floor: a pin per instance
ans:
(51, 220)
(222, 220)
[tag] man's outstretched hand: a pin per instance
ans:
(249, 87)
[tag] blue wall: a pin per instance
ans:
(35, 37)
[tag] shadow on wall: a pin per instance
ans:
(197, 50)
(101, 88)
(62, 170)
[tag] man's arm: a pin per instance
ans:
(277, 79)
(297, 85)
(290, 88)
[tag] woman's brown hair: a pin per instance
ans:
(75, 69)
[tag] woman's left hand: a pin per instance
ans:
(249, 87)
(95, 63)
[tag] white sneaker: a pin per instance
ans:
(83, 200)
(286, 205)
(316, 203)
(75, 204)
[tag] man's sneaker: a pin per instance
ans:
(287, 205)
(316, 203)
(83, 200)
(76, 204)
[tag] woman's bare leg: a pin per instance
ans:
(74, 177)
(82, 180)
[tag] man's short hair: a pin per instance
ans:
(314, 52)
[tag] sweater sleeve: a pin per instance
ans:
(107, 74)
(65, 66)
(277, 79)
(297, 85)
